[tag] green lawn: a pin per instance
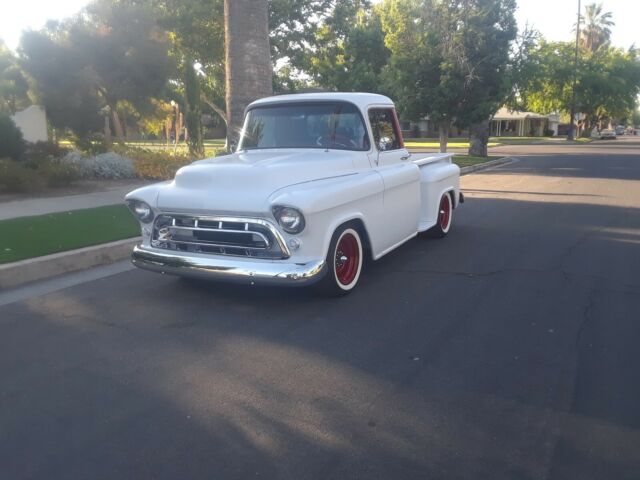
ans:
(29, 237)
(461, 142)
(467, 160)
(417, 143)
(211, 147)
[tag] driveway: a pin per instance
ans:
(508, 350)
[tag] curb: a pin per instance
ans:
(25, 271)
(486, 165)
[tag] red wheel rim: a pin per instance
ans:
(445, 212)
(347, 259)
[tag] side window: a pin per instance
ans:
(383, 124)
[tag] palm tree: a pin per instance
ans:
(597, 27)
(248, 61)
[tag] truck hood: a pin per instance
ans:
(242, 182)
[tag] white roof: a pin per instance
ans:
(506, 114)
(361, 100)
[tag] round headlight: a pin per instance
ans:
(141, 210)
(290, 219)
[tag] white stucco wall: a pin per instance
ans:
(33, 123)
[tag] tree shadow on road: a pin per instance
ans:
(456, 358)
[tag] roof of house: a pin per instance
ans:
(361, 100)
(505, 114)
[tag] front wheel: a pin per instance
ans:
(445, 217)
(344, 261)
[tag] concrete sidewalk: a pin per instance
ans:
(41, 206)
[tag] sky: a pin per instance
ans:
(554, 18)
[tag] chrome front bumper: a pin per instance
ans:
(232, 269)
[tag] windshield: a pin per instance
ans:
(336, 125)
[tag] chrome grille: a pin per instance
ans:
(245, 237)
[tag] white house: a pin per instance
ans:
(33, 123)
(505, 123)
(512, 123)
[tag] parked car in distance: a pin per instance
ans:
(604, 134)
(620, 130)
(318, 183)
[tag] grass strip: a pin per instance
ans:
(427, 144)
(29, 237)
(468, 160)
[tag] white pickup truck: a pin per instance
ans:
(318, 183)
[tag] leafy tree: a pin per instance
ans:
(293, 25)
(11, 141)
(350, 53)
(196, 31)
(596, 30)
(449, 60)
(65, 87)
(111, 52)
(486, 31)
(14, 85)
(607, 82)
(416, 73)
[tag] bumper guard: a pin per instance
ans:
(230, 269)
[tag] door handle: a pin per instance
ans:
(406, 157)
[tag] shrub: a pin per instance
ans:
(16, 178)
(58, 174)
(94, 144)
(44, 151)
(41, 152)
(106, 165)
(158, 165)
(11, 142)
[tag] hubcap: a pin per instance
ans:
(445, 212)
(347, 259)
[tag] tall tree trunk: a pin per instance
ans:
(221, 113)
(586, 126)
(107, 130)
(124, 125)
(479, 139)
(117, 126)
(194, 117)
(248, 61)
(444, 126)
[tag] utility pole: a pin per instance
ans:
(571, 135)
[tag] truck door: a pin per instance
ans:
(401, 208)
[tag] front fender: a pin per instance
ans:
(148, 193)
(326, 204)
(319, 195)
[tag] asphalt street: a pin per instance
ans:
(508, 350)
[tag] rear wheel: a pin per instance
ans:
(344, 261)
(445, 217)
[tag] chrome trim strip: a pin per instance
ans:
(242, 232)
(216, 245)
(233, 269)
(260, 221)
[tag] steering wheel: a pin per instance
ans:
(337, 140)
